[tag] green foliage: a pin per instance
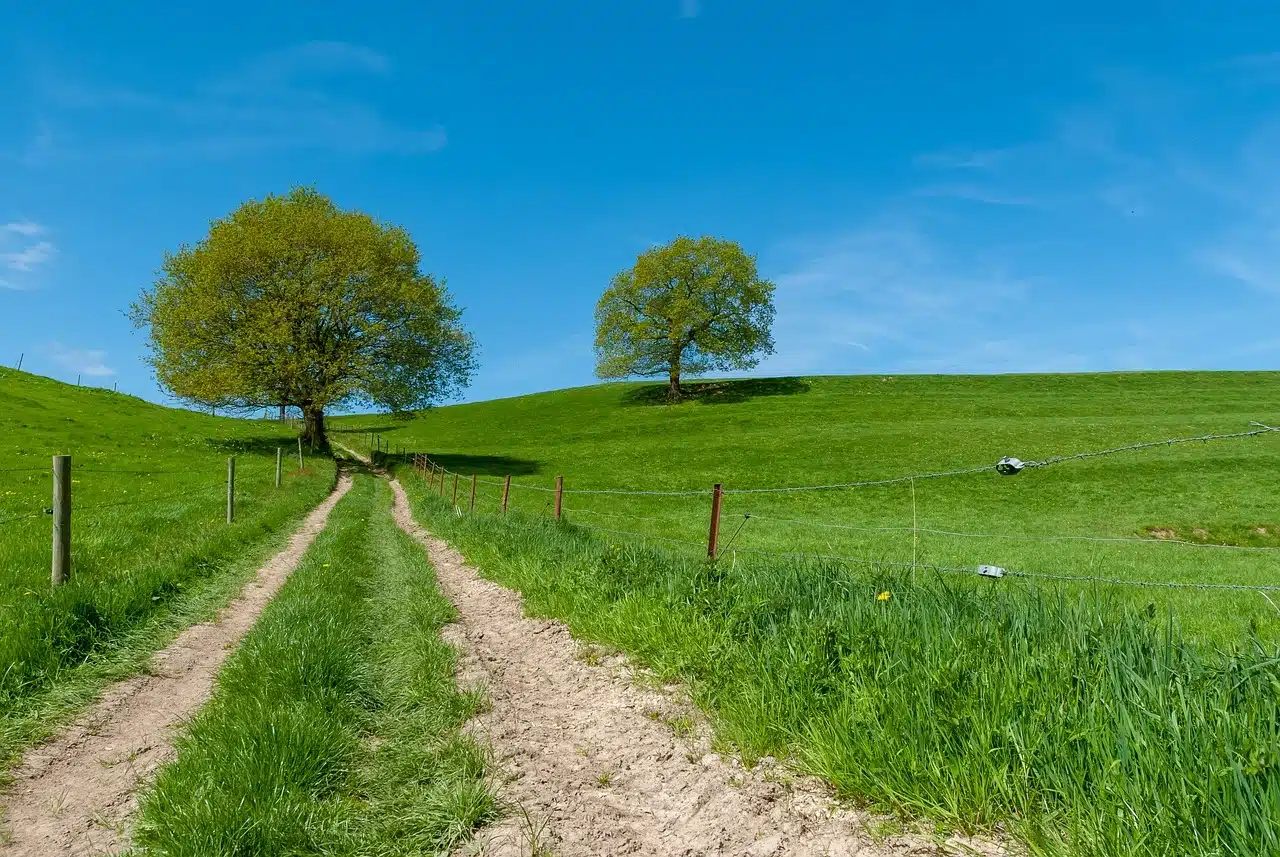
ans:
(149, 537)
(334, 728)
(691, 306)
(291, 300)
(792, 431)
(1079, 724)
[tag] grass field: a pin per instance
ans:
(334, 727)
(151, 549)
(795, 432)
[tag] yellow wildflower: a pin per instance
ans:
(884, 596)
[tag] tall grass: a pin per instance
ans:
(334, 727)
(1080, 724)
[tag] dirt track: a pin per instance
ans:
(592, 760)
(74, 795)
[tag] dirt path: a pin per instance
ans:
(594, 762)
(74, 795)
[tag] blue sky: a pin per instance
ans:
(934, 187)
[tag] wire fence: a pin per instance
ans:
(434, 473)
(187, 498)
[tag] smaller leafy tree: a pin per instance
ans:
(293, 301)
(694, 305)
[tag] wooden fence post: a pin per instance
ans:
(279, 461)
(455, 489)
(506, 490)
(443, 474)
(559, 495)
(713, 540)
(61, 572)
(471, 507)
(299, 452)
(231, 489)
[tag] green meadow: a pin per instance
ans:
(794, 432)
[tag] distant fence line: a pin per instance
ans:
(437, 477)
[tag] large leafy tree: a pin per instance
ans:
(694, 305)
(293, 301)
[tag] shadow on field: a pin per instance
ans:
(329, 429)
(718, 392)
(485, 465)
(253, 445)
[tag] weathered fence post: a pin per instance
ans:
(299, 452)
(471, 507)
(713, 539)
(231, 489)
(279, 461)
(455, 489)
(506, 491)
(20, 356)
(559, 495)
(61, 519)
(443, 474)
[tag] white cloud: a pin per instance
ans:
(23, 227)
(91, 361)
(690, 8)
(28, 257)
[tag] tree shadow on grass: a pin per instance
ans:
(484, 465)
(727, 392)
(254, 445)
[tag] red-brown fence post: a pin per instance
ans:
(506, 491)
(559, 495)
(455, 489)
(713, 539)
(471, 507)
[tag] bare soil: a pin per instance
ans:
(75, 794)
(594, 762)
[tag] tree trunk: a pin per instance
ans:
(282, 412)
(313, 427)
(673, 392)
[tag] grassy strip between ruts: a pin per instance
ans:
(334, 728)
(1078, 724)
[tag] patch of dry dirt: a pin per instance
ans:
(74, 795)
(598, 764)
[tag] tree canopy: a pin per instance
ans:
(293, 301)
(694, 305)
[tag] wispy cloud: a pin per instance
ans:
(976, 193)
(281, 100)
(877, 297)
(82, 361)
(20, 254)
(690, 8)
(962, 159)
(28, 257)
(23, 227)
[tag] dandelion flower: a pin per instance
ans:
(884, 596)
